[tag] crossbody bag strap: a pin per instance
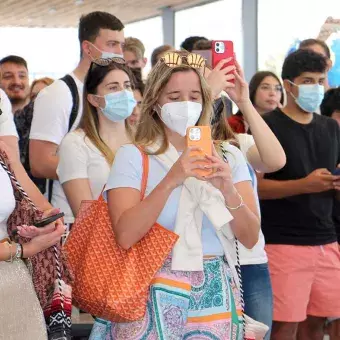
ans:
(55, 249)
(238, 263)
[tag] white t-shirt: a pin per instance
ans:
(257, 255)
(79, 158)
(7, 126)
(52, 110)
(7, 202)
(127, 172)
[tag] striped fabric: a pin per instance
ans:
(184, 305)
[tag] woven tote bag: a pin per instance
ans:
(110, 282)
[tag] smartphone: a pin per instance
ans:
(336, 172)
(222, 49)
(200, 136)
(50, 219)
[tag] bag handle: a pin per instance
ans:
(238, 264)
(145, 165)
(55, 250)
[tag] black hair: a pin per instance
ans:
(331, 102)
(14, 59)
(90, 25)
(302, 61)
(188, 43)
(306, 44)
(157, 52)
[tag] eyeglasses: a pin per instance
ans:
(174, 59)
(267, 88)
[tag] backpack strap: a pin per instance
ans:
(69, 81)
(71, 84)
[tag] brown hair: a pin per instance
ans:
(158, 52)
(135, 46)
(151, 128)
(306, 44)
(202, 45)
(89, 122)
(47, 81)
(221, 130)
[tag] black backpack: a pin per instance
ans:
(23, 122)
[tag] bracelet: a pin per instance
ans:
(10, 252)
(239, 206)
(18, 252)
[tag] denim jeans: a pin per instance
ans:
(258, 297)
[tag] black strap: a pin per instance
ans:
(69, 81)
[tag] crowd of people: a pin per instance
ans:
(269, 210)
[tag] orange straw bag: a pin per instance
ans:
(110, 282)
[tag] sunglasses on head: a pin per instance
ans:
(107, 61)
(174, 59)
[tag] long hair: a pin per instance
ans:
(151, 128)
(221, 130)
(89, 122)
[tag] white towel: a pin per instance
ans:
(197, 198)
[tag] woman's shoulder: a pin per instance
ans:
(233, 154)
(129, 153)
(74, 141)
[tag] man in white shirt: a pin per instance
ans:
(100, 35)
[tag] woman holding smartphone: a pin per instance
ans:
(20, 312)
(264, 154)
(87, 153)
(190, 296)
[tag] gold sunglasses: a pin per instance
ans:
(174, 59)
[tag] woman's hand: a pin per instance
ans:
(239, 91)
(185, 167)
(221, 177)
(42, 242)
(219, 78)
(32, 231)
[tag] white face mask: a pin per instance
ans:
(107, 55)
(178, 116)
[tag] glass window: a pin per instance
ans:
(298, 20)
(217, 20)
(49, 52)
(150, 32)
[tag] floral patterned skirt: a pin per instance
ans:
(197, 305)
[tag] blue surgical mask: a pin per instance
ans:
(310, 96)
(108, 55)
(118, 105)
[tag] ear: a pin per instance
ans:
(85, 46)
(93, 100)
(287, 86)
(145, 61)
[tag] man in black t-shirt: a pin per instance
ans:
(297, 205)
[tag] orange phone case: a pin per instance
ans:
(200, 136)
(222, 49)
